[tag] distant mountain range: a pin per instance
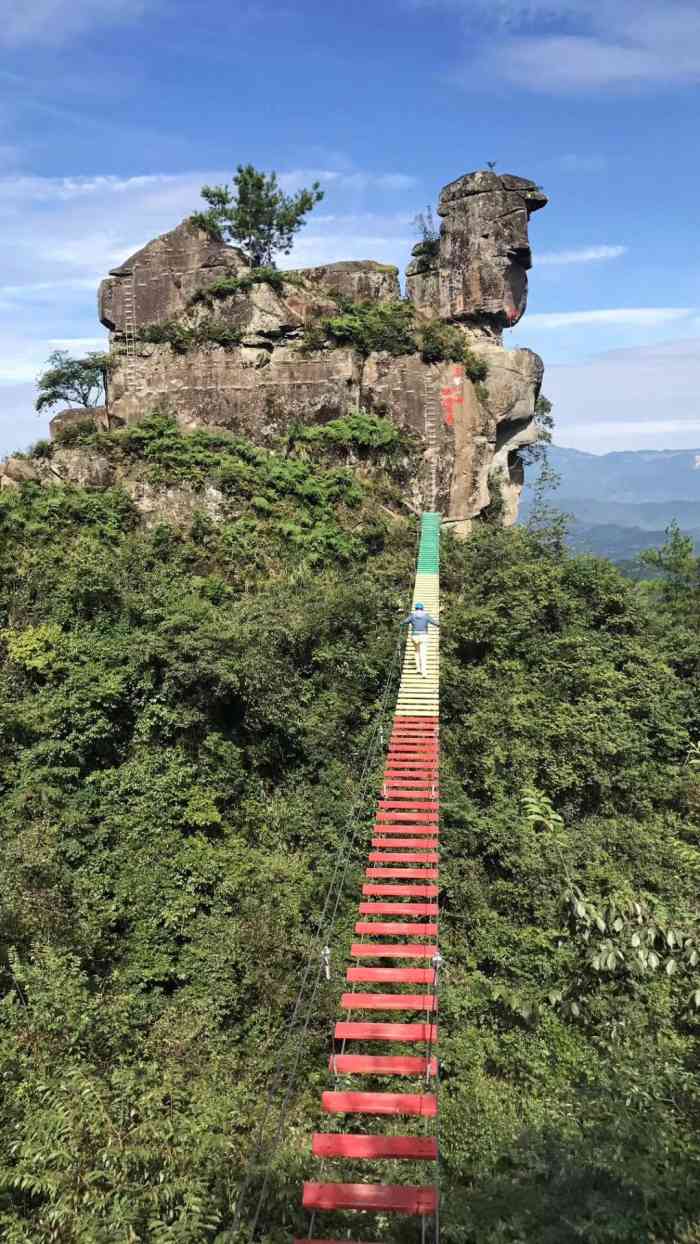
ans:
(622, 502)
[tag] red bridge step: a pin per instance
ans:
(359, 1030)
(387, 929)
(403, 1199)
(421, 818)
(429, 831)
(365, 950)
(409, 805)
(405, 857)
(335, 1145)
(408, 874)
(381, 1064)
(399, 909)
(417, 891)
(388, 1002)
(406, 976)
(423, 1104)
(391, 843)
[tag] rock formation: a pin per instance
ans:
(196, 332)
(479, 274)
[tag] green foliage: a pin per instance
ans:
(82, 432)
(367, 327)
(78, 382)
(227, 286)
(183, 718)
(41, 449)
(184, 337)
(544, 423)
(358, 430)
(391, 327)
(257, 215)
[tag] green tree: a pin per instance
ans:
(258, 215)
(78, 382)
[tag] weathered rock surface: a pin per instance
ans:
(69, 418)
(474, 277)
(480, 273)
(360, 280)
(160, 280)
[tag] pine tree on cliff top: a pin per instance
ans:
(258, 215)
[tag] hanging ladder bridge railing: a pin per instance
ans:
(398, 927)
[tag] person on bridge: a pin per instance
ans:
(419, 621)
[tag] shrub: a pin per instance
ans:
(477, 369)
(367, 327)
(357, 430)
(439, 341)
(41, 449)
(83, 432)
(184, 337)
(230, 285)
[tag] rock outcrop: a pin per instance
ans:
(478, 273)
(199, 334)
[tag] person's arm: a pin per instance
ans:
(405, 621)
(431, 621)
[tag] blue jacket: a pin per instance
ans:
(420, 619)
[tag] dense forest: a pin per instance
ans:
(184, 719)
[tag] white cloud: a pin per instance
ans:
(587, 254)
(352, 180)
(641, 316)
(637, 398)
(562, 46)
(56, 21)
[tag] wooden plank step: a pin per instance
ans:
(369, 1030)
(396, 976)
(397, 928)
(381, 1064)
(401, 1198)
(408, 891)
(396, 818)
(404, 874)
(390, 790)
(427, 773)
(408, 795)
(404, 857)
(427, 830)
(369, 950)
(391, 843)
(337, 1145)
(419, 751)
(423, 1104)
(410, 805)
(388, 1002)
(399, 909)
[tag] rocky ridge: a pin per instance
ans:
(196, 333)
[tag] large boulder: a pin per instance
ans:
(76, 415)
(484, 251)
(359, 280)
(159, 281)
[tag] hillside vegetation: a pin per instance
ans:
(183, 720)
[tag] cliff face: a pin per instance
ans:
(196, 333)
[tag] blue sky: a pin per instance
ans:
(114, 112)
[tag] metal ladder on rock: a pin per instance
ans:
(431, 409)
(129, 307)
(398, 926)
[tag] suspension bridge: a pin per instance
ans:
(383, 1068)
